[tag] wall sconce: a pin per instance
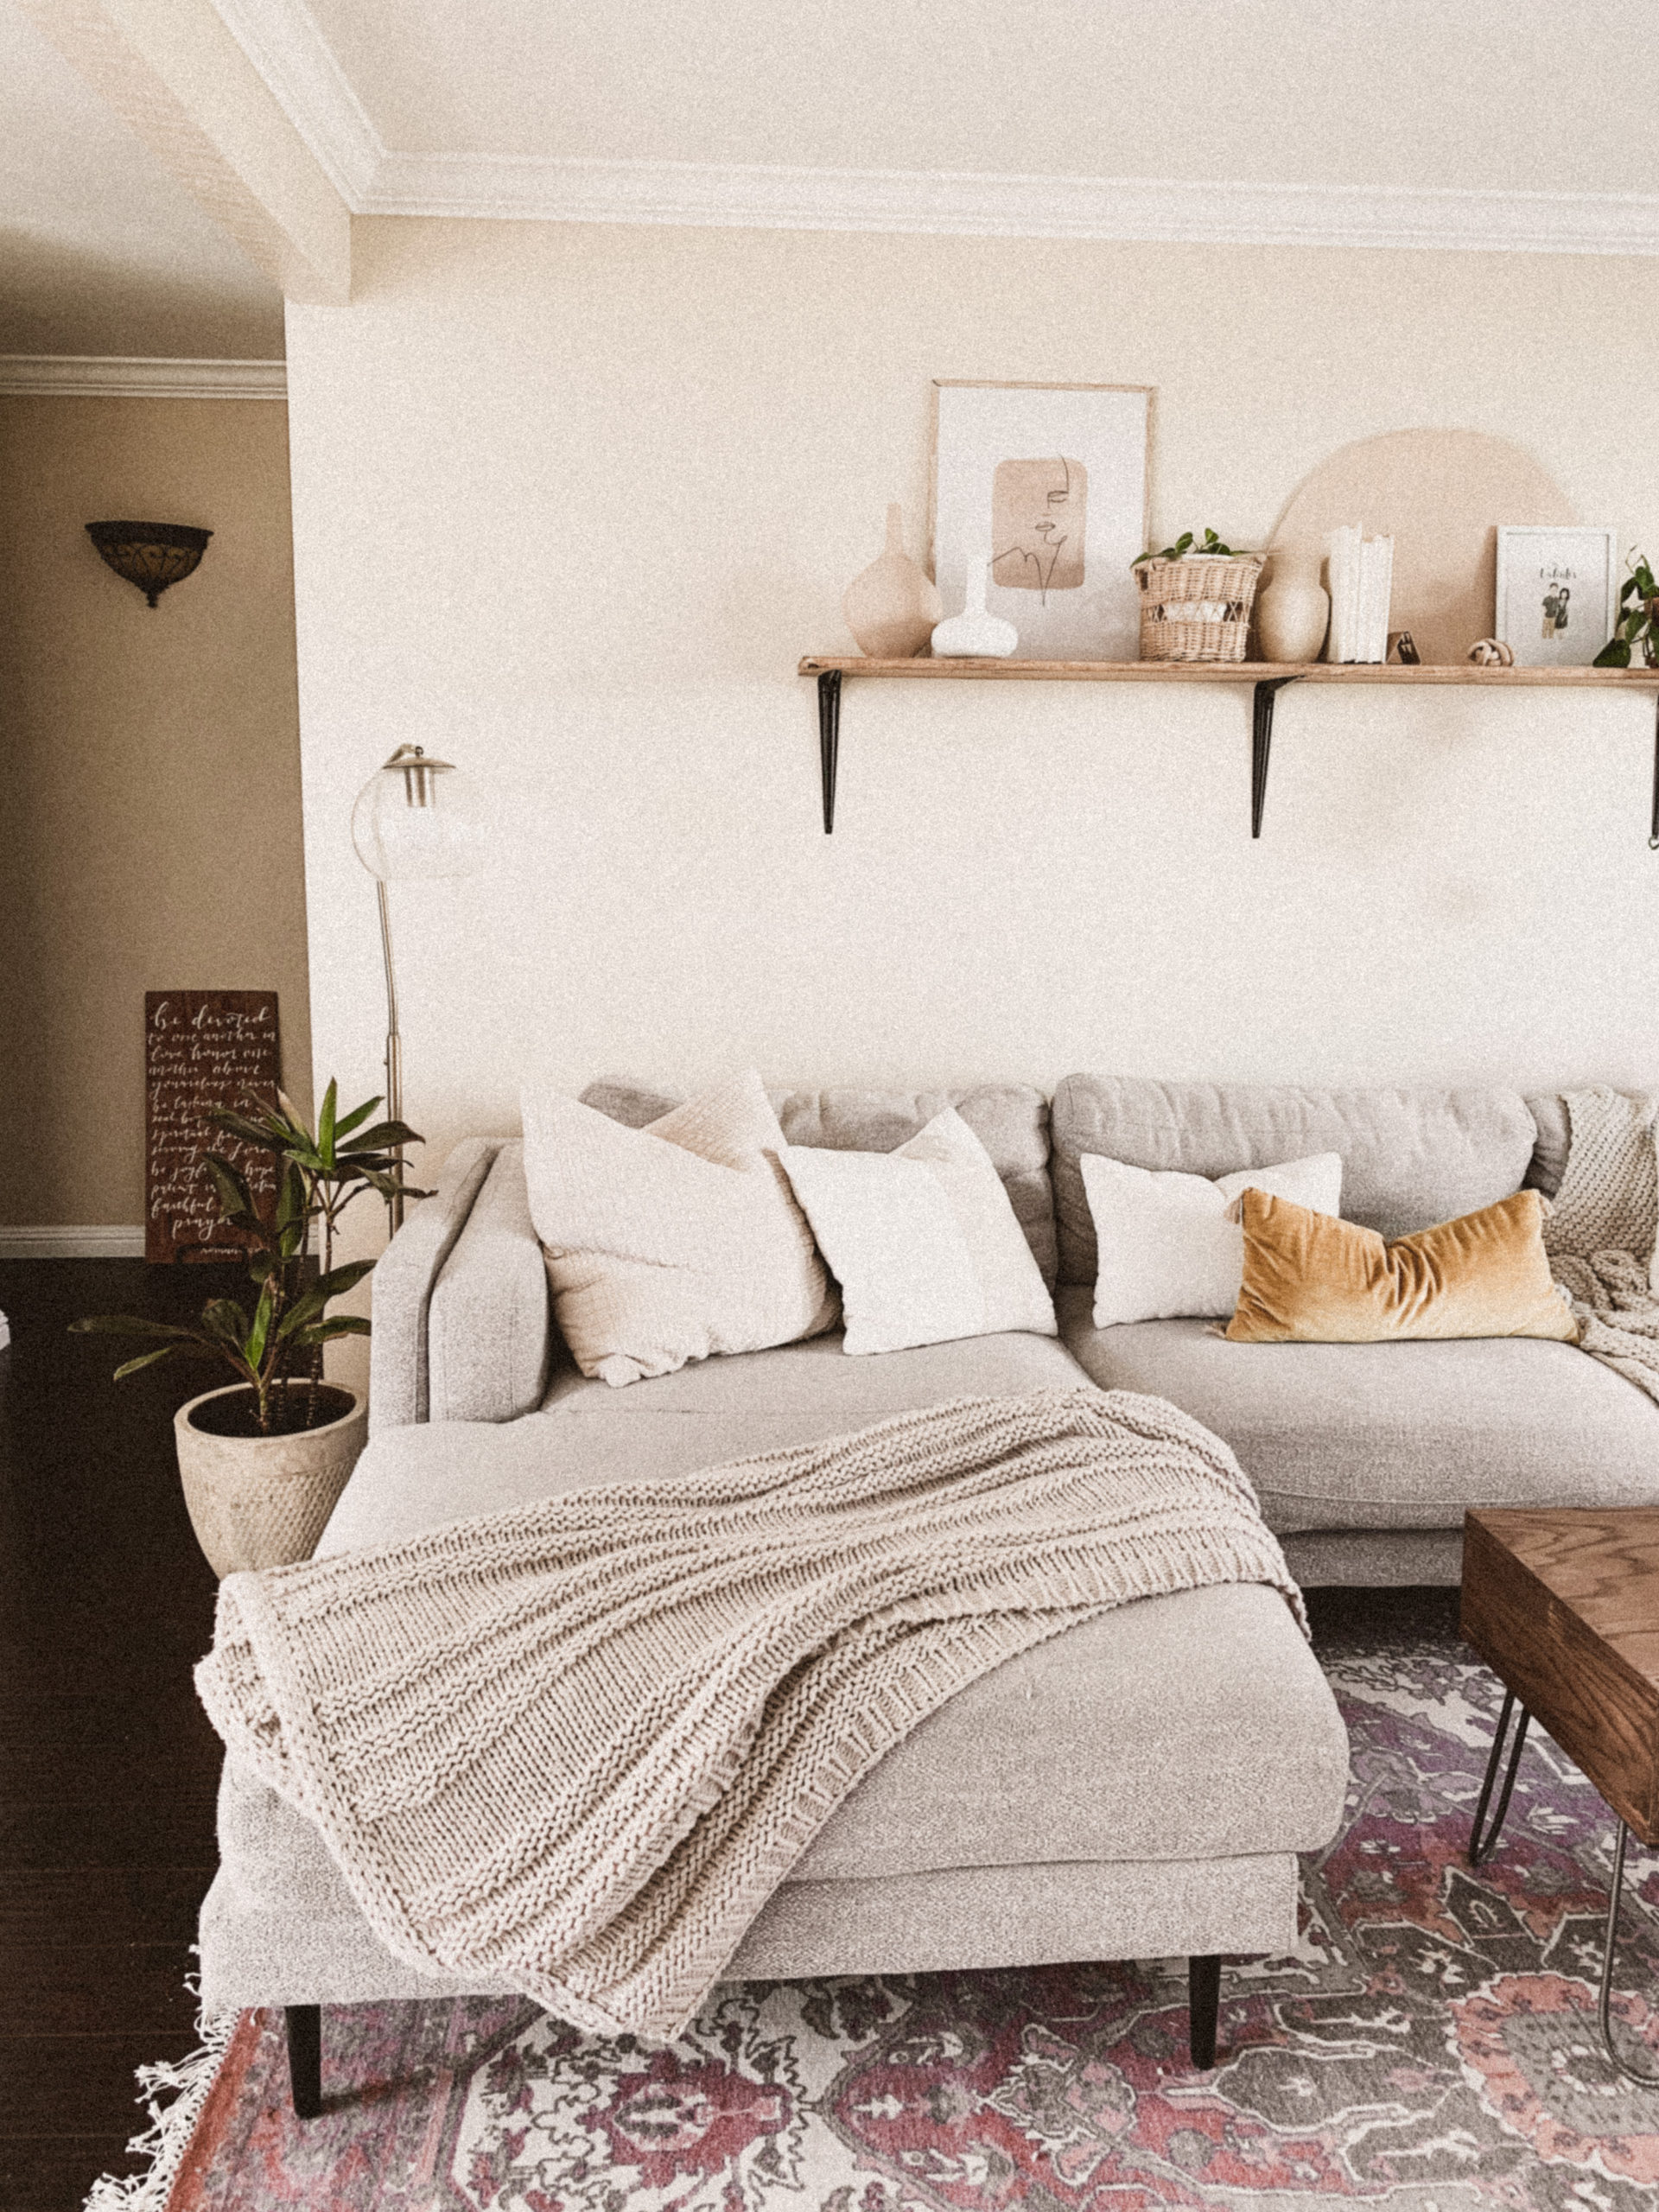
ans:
(151, 555)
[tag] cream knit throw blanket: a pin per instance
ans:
(577, 1746)
(1599, 1233)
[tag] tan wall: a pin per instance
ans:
(149, 800)
(569, 504)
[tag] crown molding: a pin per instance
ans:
(282, 39)
(114, 1242)
(985, 205)
(96, 376)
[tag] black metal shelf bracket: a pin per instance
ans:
(829, 742)
(1262, 744)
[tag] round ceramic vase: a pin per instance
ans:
(891, 606)
(975, 634)
(263, 1500)
(1292, 615)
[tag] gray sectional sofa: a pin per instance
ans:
(1137, 1788)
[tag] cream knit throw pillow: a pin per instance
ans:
(667, 1244)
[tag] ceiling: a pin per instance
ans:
(1367, 122)
(1400, 92)
(100, 251)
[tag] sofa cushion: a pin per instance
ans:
(1410, 1158)
(1009, 1119)
(1392, 1435)
(1065, 1754)
(717, 1410)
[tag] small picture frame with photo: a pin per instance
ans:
(1557, 594)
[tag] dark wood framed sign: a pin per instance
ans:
(202, 1049)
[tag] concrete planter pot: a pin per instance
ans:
(263, 1501)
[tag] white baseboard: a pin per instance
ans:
(94, 1241)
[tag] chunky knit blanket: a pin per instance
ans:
(1599, 1233)
(577, 1746)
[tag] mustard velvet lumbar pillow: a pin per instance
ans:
(673, 1242)
(1310, 1279)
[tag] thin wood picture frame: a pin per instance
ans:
(1064, 472)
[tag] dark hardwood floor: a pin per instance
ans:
(108, 1768)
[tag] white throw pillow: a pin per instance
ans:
(1167, 1247)
(669, 1243)
(922, 1241)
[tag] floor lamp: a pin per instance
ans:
(416, 816)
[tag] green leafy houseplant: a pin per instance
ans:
(1211, 549)
(276, 1350)
(1638, 618)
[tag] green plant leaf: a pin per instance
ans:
(1615, 653)
(325, 1122)
(344, 1127)
(254, 1349)
(128, 1324)
(144, 1359)
(338, 1325)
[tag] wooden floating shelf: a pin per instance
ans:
(1266, 678)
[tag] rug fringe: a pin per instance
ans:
(165, 2141)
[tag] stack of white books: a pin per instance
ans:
(1360, 573)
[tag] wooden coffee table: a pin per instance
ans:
(1562, 1603)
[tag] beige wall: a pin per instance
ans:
(150, 797)
(570, 503)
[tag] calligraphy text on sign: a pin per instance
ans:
(202, 1049)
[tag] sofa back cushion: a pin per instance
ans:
(1009, 1119)
(1410, 1158)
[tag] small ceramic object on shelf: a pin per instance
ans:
(1292, 614)
(1491, 652)
(1402, 647)
(975, 634)
(891, 606)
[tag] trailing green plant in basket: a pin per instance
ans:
(1211, 549)
(1638, 618)
(276, 1351)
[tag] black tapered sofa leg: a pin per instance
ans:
(1203, 2008)
(305, 2058)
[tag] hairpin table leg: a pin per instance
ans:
(1604, 2009)
(828, 739)
(1653, 819)
(1480, 1846)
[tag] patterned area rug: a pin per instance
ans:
(1432, 2049)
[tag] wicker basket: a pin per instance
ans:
(1198, 607)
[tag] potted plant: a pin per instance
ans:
(1638, 618)
(263, 1459)
(1196, 600)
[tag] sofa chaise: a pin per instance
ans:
(1141, 1786)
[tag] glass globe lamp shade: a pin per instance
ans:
(418, 817)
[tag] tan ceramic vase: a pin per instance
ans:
(1292, 614)
(891, 608)
(263, 1501)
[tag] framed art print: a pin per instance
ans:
(1047, 483)
(1557, 594)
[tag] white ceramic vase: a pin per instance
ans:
(1292, 615)
(975, 634)
(891, 606)
(261, 1501)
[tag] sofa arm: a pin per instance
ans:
(405, 1278)
(490, 1333)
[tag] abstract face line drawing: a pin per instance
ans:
(1038, 523)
